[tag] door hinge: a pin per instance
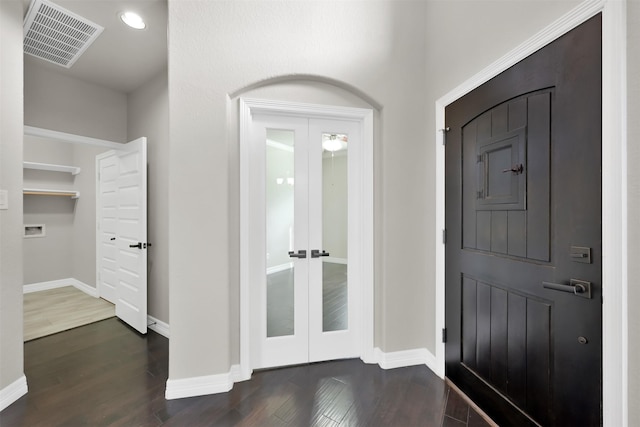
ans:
(444, 134)
(444, 335)
(444, 236)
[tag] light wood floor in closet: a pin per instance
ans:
(56, 310)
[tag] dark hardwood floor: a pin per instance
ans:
(106, 374)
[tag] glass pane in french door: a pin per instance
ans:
(279, 232)
(334, 232)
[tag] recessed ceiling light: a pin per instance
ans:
(133, 20)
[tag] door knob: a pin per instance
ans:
(315, 253)
(301, 254)
(517, 169)
(138, 245)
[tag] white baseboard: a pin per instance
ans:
(61, 283)
(158, 326)
(13, 392)
(199, 386)
(401, 359)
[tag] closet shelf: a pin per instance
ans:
(73, 170)
(47, 192)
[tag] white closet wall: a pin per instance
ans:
(49, 257)
(67, 249)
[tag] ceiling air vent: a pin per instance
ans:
(56, 34)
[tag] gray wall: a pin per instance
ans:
(49, 257)
(11, 120)
(148, 115)
(253, 41)
(65, 104)
(633, 182)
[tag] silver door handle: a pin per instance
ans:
(301, 254)
(577, 287)
(315, 253)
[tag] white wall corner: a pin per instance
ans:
(13, 392)
(401, 359)
(237, 375)
(158, 326)
(87, 289)
(200, 386)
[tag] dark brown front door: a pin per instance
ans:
(523, 218)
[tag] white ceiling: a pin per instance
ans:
(121, 58)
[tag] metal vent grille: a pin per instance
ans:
(56, 34)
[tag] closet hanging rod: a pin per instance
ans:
(47, 192)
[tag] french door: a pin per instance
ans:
(302, 298)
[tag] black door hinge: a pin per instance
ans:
(444, 334)
(444, 134)
(444, 236)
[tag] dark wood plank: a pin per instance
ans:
(517, 233)
(538, 359)
(517, 350)
(484, 126)
(457, 408)
(538, 183)
(499, 235)
(499, 339)
(484, 331)
(517, 113)
(483, 230)
(469, 157)
(499, 119)
(469, 321)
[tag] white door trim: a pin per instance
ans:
(249, 107)
(614, 188)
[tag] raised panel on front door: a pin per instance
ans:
(506, 202)
(506, 341)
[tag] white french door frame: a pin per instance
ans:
(361, 207)
(614, 189)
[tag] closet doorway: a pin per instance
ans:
(63, 242)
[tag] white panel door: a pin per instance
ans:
(303, 302)
(123, 231)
